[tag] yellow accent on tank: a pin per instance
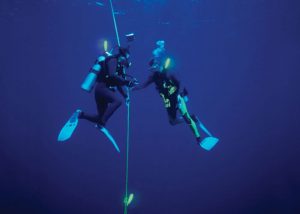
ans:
(105, 45)
(167, 63)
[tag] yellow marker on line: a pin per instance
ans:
(129, 200)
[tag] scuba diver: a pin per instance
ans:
(106, 77)
(111, 77)
(169, 88)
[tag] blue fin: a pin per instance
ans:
(70, 126)
(109, 136)
(209, 142)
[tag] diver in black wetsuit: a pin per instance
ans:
(168, 86)
(111, 77)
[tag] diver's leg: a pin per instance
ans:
(95, 118)
(172, 112)
(184, 111)
(175, 121)
(92, 118)
(101, 106)
(105, 109)
(114, 103)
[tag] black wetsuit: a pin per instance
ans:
(109, 79)
(168, 87)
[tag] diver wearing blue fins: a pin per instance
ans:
(174, 95)
(111, 77)
(107, 77)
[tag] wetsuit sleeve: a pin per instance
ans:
(117, 80)
(145, 84)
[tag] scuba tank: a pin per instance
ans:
(90, 80)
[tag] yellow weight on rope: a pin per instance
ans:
(128, 200)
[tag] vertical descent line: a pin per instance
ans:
(128, 119)
(127, 155)
(115, 23)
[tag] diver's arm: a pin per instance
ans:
(112, 67)
(122, 91)
(145, 84)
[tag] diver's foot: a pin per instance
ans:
(79, 113)
(100, 125)
(75, 116)
(198, 139)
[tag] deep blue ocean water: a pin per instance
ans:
(240, 63)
